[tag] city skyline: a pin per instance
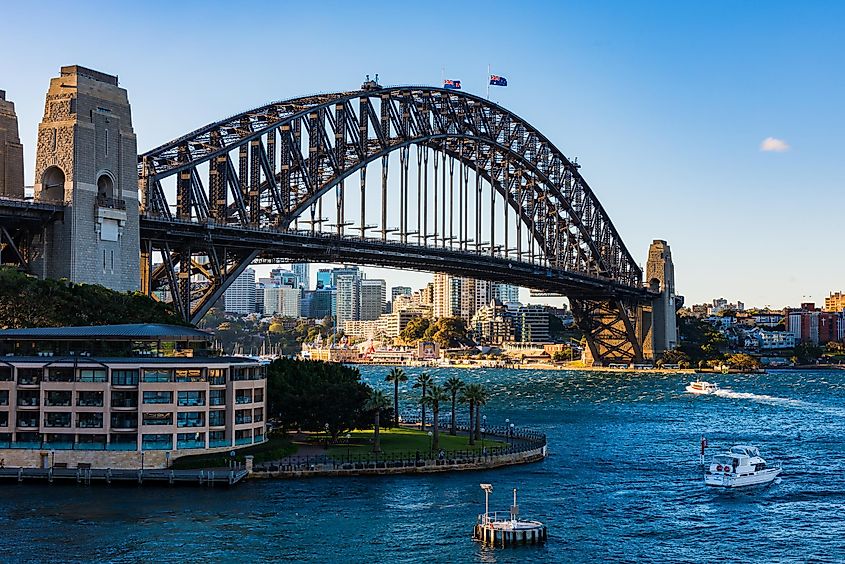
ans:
(700, 146)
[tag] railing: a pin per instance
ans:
(522, 441)
(217, 443)
(189, 444)
(243, 441)
(113, 203)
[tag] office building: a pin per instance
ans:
(372, 294)
(240, 297)
(303, 274)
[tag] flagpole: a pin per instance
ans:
(488, 81)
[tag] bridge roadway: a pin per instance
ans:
(300, 245)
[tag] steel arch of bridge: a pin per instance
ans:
(267, 167)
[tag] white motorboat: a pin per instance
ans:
(702, 387)
(740, 466)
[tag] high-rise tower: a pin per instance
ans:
(87, 158)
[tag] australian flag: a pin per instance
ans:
(452, 84)
(496, 80)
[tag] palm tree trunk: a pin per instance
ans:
(422, 423)
(376, 438)
(471, 419)
(396, 402)
(435, 410)
(477, 421)
(452, 425)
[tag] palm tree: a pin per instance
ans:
(453, 386)
(481, 398)
(423, 380)
(468, 396)
(396, 375)
(376, 402)
(436, 396)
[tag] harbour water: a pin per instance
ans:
(622, 483)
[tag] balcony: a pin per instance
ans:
(111, 203)
(189, 444)
(243, 399)
(243, 441)
(218, 443)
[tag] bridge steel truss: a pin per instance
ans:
(243, 185)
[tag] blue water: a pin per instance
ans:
(621, 483)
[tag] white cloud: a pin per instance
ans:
(774, 145)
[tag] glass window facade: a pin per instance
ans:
(158, 419)
(157, 375)
(156, 442)
(92, 375)
(89, 399)
(191, 419)
(158, 397)
(191, 398)
(125, 377)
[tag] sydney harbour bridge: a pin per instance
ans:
(411, 177)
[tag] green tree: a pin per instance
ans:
(742, 361)
(376, 403)
(436, 395)
(396, 376)
(423, 381)
(311, 395)
(453, 385)
(415, 330)
(808, 353)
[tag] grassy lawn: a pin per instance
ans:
(274, 449)
(406, 441)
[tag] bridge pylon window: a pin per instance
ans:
(53, 185)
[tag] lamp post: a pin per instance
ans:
(507, 426)
(348, 436)
(511, 432)
(430, 443)
(327, 436)
(483, 428)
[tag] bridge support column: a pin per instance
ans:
(87, 160)
(610, 328)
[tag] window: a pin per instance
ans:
(158, 397)
(124, 421)
(216, 376)
(60, 374)
(243, 437)
(4, 397)
(191, 398)
(259, 395)
(216, 418)
(158, 419)
(243, 416)
(30, 376)
(89, 399)
(258, 415)
(60, 398)
(124, 399)
(4, 418)
(57, 420)
(153, 375)
(124, 377)
(92, 375)
(191, 419)
(5, 373)
(89, 420)
(27, 398)
(190, 440)
(243, 396)
(189, 375)
(27, 420)
(217, 397)
(156, 442)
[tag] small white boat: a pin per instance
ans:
(740, 466)
(702, 387)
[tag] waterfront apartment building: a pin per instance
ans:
(240, 297)
(109, 395)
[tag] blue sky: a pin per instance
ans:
(665, 104)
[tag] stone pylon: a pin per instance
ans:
(660, 280)
(87, 159)
(11, 151)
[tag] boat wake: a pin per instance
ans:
(785, 402)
